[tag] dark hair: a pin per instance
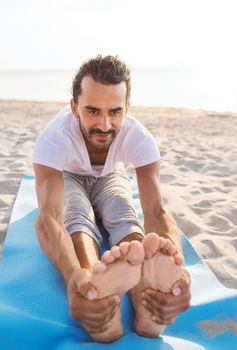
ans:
(108, 70)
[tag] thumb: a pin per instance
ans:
(83, 285)
(88, 291)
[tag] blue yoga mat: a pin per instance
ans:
(34, 311)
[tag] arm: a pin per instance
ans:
(54, 239)
(94, 315)
(156, 218)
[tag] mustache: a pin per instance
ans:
(98, 131)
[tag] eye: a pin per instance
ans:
(92, 111)
(116, 112)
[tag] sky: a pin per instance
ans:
(60, 34)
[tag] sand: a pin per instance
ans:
(198, 171)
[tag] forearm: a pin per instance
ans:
(57, 245)
(164, 225)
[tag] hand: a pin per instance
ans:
(93, 314)
(165, 307)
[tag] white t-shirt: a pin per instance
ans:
(61, 146)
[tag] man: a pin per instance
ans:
(79, 164)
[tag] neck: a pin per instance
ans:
(97, 156)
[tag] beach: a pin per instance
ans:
(198, 171)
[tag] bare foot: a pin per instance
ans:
(161, 269)
(118, 272)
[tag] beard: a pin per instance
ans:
(97, 144)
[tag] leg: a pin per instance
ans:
(113, 202)
(86, 248)
(111, 198)
(160, 268)
(80, 222)
(135, 236)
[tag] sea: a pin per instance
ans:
(208, 88)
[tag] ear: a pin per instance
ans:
(127, 106)
(74, 108)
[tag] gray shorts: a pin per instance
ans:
(108, 198)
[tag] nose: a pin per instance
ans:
(105, 123)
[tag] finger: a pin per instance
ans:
(165, 322)
(157, 319)
(156, 298)
(166, 314)
(180, 287)
(98, 323)
(184, 283)
(95, 326)
(98, 329)
(155, 308)
(164, 304)
(98, 306)
(111, 315)
(180, 291)
(160, 320)
(93, 315)
(88, 291)
(96, 310)
(163, 317)
(168, 302)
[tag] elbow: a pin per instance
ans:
(41, 227)
(41, 223)
(46, 226)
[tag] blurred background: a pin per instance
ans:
(182, 52)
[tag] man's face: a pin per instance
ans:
(100, 110)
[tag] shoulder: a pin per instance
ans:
(131, 122)
(140, 146)
(53, 145)
(62, 122)
(135, 129)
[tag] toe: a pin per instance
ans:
(136, 253)
(115, 251)
(107, 258)
(151, 244)
(162, 242)
(169, 248)
(124, 247)
(179, 259)
(98, 267)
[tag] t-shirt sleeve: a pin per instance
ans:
(52, 149)
(142, 148)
